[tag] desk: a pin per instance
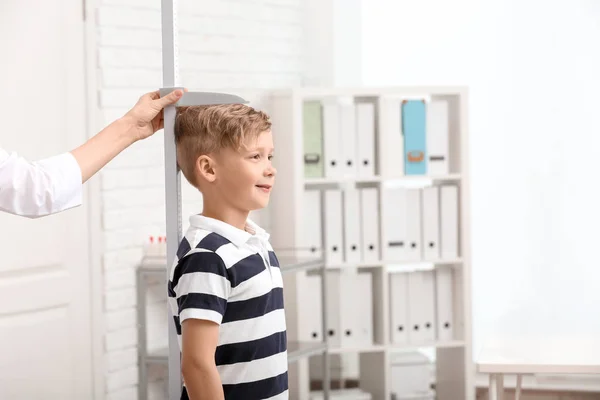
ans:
(563, 354)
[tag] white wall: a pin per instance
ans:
(532, 68)
(251, 45)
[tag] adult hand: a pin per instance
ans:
(146, 117)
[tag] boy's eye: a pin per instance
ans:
(256, 156)
(270, 156)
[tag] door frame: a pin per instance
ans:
(92, 197)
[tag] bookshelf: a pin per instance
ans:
(375, 181)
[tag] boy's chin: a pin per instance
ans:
(259, 204)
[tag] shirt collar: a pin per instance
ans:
(235, 235)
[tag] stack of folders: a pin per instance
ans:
(421, 225)
(349, 308)
(340, 138)
(350, 221)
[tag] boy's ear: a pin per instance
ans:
(206, 168)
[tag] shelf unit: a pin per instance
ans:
(290, 213)
(154, 267)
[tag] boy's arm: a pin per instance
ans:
(201, 286)
(199, 342)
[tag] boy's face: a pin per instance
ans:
(245, 178)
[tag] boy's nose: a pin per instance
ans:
(270, 171)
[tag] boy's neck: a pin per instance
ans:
(226, 214)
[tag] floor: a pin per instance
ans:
(482, 394)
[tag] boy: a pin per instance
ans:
(226, 289)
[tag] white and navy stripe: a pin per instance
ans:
(232, 278)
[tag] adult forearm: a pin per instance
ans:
(202, 381)
(103, 147)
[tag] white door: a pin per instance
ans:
(45, 313)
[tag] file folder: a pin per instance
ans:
(310, 322)
(449, 221)
(349, 307)
(352, 248)
(313, 139)
(444, 304)
(431, 222)
(395, 224)
(415, 142)
(334, 304)
(438, 137)
(369, 212)
(399, 303)
(331, 140)
(421, 314)
(348, 139)
(391, 154)
(311, 244)
(333, 227)
(363, 316)
(413, 224)
(365, 130)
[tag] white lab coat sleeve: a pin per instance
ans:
(35, 189)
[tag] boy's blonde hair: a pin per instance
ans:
(201, 130)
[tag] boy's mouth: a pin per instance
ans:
(265, 188)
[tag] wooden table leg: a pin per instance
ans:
(496, 390)
(518, 388)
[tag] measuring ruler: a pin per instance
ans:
(170, 58)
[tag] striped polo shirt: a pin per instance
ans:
(232, 277)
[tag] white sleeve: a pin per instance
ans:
(35, 189)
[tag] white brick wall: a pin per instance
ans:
(243, 45)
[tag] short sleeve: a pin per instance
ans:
(201, 285)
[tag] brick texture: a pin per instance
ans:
(247, 46)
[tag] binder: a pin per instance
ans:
(331, 140)
(348, 139)
(365, 130)
(349, 308)
(399, 303)
(391, 148)
(311, 244)
(333, 227)
(313, 139)
(444, 304)
(352, 247)
(334, 304)
(421, 311)
(412, 215)
(310, 322)
(369, 214)
(449, 221)
(415, 144)
(395, 227)
(364, 310)
(431, 222)
(438, 137)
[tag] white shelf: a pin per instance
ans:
(299, 350)
(436, 345)
(405, 180)
(361, 349)
(289, 215)
(398, 266)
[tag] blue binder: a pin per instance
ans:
(415, 141)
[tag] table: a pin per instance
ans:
(552, 354)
